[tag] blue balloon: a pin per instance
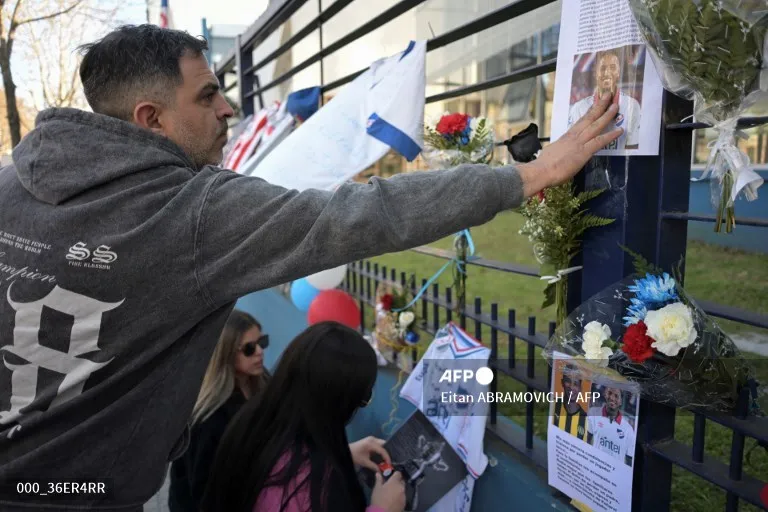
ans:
(303, 293)
(411, 338)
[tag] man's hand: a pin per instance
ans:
(561, 160)
(362, 450)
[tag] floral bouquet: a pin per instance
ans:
(716, 53)
(458, 139)
(649, 331)
(395, 323)
(554, 223)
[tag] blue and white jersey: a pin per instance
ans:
(627, 118)
(463, 432)
(613, 436)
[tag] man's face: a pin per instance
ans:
(612, 400)
(198, 120)
(571, 387)
(607, 73)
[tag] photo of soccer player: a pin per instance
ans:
(617, 71)
(611, 421)
(570, 414)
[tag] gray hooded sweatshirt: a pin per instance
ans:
(119, 264)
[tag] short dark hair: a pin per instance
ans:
(608, 53)
(571, 372)
(134, 61)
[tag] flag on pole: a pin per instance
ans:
(164, 14)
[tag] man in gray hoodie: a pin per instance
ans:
(123, 249)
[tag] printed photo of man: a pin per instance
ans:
(607, 78)
(569, 414)
(609, 430)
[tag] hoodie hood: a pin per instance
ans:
(71, 151)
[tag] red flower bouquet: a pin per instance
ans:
(458, 139)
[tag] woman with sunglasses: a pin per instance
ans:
(235, 373)
(288, 451)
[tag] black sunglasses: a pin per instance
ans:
(250, 348)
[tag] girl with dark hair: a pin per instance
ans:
(288, 450)
(235, 373)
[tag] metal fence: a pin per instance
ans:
(651, 218)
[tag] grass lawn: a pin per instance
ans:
(713, 273)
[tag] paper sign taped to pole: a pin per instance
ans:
(382, 109)
(591, 436)
(601, 50)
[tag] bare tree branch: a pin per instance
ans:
(58, 84)
(44, 17)
(14, 14)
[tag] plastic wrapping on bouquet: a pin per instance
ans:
(707, 371)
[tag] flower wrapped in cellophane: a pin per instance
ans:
(713, 52)
(649, 331)
(395, 320)
(458, 139)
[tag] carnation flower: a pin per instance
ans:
(637, 344)
(451, 124)
(594, 335)
(405, 319)
(672, 328)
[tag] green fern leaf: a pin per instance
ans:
(589, 195)
(642, 265)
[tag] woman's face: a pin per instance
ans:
(250, 356)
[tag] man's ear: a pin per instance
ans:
(147, 115)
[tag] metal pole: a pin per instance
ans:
(207, 37)
(639, 188)
(320, 34)
(243, 61)
(541, 92)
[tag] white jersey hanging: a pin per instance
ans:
(382, 109)
(465, 433)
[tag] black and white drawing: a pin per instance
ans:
(429, 465)
(414, 470)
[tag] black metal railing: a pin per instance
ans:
(661, 200)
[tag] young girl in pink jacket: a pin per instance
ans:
(288, 450)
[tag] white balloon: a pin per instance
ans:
(328, 279)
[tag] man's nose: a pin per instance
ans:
(226, 110)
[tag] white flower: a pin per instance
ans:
(405, 319)
(594, 335)
(671, 328)
(473, 123)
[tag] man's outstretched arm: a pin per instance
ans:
(252, 235)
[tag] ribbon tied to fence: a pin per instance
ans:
(560, 274)
(453, 261)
